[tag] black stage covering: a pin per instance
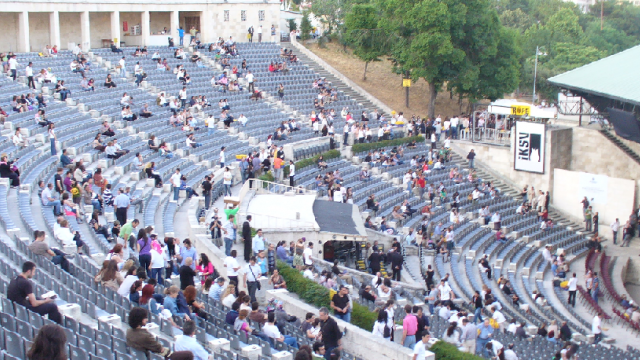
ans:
(625, 124)
(335, 217)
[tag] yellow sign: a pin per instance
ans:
(520, 110)
(406, 82)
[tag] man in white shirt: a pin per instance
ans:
(187, 342)
(307, 253)
(48, 199)
(243, 120)
(257, 244)
(13, 66)
(250, 78)
(446, 293)
(509, 354)
(445, 312)
(229, 230)
(222, 159)
(292, 173)
(615, 226)
(495, 345)
(498, 317)
(308, 273)
(175, 182)
(182, 95)
(125, 287)
(546, 254)
(123, 70)
(232, 266)
(77, 49)
(251, 277)
(596, 330)
(573, 286)
(272, 331)
(259, 31)
(28, 71)
(420, 349)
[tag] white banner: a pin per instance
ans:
(529, 142)
(594, 187)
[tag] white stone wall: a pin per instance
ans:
(9, 33)
(69, 30)
(211, 19)
(100, 27)
(39, 31)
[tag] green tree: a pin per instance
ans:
(451, 42)
(516, 19)
(609, 39)
(330, 13)
(305, 26)
(564, 26)
(293, 26)
(363, 35)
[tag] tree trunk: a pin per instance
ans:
(364, 76)
(431, 111)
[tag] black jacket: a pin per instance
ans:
(246, 231)
(396, 260)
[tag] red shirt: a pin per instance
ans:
(421, 182)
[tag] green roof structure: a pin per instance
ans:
(614, 77)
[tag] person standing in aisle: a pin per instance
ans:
(573, 287)
(181, 35)
(222, 159)
(292, 173)
(28, 71)
(615, 226)
(260, 33)
(248, 241)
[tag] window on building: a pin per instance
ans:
(261, 15)
(243, 15)
(226, 15)
(190, 21)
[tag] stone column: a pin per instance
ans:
(206, 26)
(54, 29)
(145, 28)
(23, 31)
(175, 24)
(85, 28)
(115, 27)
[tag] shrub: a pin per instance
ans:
(309, 291)
(358, 148)
(317, 295)
(268, 176)
(446, 351)
(331, 154)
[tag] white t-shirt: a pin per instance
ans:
(292, 170)
(307, 256)
(175, 179)
(227, 178)
(221, 156)
(256, 272)
(308, 274)
(445, 292)
(498, 317)
(595, 326)
(122, 62)
(231, 263)
(271, 331)
(249, 78)
(125, 287)
(13, 63)
(420, 350)
(28, 71)
(182, 94)
(573, 284)
(496, 346)
(157, 259)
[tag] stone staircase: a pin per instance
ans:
(342, 86)
(614, 139)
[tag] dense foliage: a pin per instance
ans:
(319, 296)
(481, 49)
(360, 148)
(446, 351)
(312, 161)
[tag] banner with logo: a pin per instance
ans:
(529, 144)
(594, 187)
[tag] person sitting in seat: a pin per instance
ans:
(145, 112)
(114, 48)
(40, 247)
(108, 83)
(20, 291)
(139, 338)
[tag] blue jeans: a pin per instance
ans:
(471, 163)
(176, 193)
(53, 146)
(228, 243)
(344, 317)
(156, 273)
(477, 315)
(211, 131)
(96, 205)
(123, 72)
(431, 309)
(291, 341)
(227, 189)
(409, 341)
(55, 204)
(594, 294)
(481, 347)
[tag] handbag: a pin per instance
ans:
(254, 276)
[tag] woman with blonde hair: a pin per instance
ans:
(228, 297)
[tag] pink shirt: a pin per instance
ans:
(410, 324)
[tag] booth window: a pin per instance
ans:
(261, 15)
(243, 15)
(226, 15)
